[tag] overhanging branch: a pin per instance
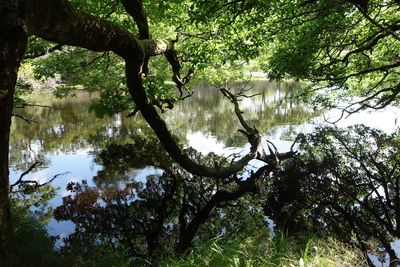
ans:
(77, 28)
(150, 114)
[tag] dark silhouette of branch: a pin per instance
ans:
(87, 64)
(23, 118)
(221, 198)
(32, 184)
(32, 167)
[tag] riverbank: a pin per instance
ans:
(258, 249)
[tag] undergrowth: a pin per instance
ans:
(262, 250)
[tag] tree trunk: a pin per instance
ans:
(13, 39)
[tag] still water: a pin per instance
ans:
(66, 136)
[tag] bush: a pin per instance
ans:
(31, 245)
(344, 181)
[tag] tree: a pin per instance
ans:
(209, 34)
(93, 33)
(13, 40)
(346, 180)
(344, 48)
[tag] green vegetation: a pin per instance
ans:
(31, 245)
(262, 250)
(257, 249)
(140, 58)
(345, 180)
(349, 45)
(35, 249)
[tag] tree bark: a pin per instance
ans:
(13, 39)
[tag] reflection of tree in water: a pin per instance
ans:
(69, 126)
(168, 212)
(273, 104)
(25, 152)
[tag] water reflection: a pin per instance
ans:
(211, 114)
(69, 127)
(68, 136)
(146, 217)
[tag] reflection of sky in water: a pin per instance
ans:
(77, 166)
(384, 262)
(205, 143)
(385, 120)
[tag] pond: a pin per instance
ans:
(66, 136)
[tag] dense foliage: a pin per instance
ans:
(31, 245)
(345, 48)
(345, 181)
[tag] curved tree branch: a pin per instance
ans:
(60, 22)
(137, 91)
(136, 10)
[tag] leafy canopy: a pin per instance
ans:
(346, 48)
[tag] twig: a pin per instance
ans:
(33, 166)
(87, 64)
(33, 184)
(23, 118)
(34, 105)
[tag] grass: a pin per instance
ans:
(261, 250)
